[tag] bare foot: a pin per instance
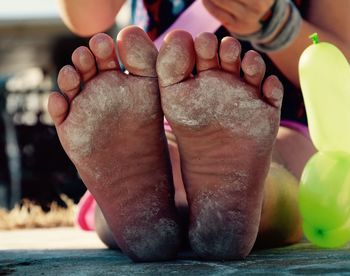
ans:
(225, 127)
(113, 132)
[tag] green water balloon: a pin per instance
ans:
(324, 198)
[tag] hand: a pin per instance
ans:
(241, 17)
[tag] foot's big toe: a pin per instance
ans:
(176, 58)
(137, 52)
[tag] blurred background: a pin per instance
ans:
(34, 45)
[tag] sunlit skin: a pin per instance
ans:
(118, 168)
(291, 149)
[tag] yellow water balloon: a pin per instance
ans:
(325, 82)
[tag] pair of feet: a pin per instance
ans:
(225, 126)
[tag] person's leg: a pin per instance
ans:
(113, 132)
(225, 128)
(294, 149)
(280, 220)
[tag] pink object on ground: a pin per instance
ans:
(86, 212)
(167, 127)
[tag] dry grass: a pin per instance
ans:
(30, 215)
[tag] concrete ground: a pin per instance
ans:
(69, 251)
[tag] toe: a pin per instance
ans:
(57, 107)
(137, 52)
(102, 46)
(176, 58)
(254, 68)
(69, 81)
(273, 91)
(206, 47)
(230, 52)
(84, 62)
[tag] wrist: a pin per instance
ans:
(269, 23)
(285, 34)
(278, 30)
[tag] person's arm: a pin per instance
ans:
(329, 18)
(87, 17)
